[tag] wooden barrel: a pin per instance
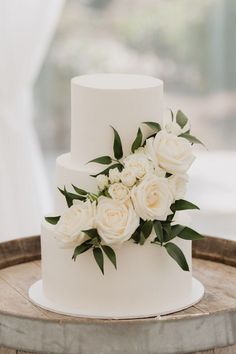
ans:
(208, 327)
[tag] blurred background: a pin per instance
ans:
(192, 47)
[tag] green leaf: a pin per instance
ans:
(138, 141)
(110, 254)
(79, 190)
(168, 236)
(52, 219)
(154, 126)
(158, 230)
(142, 239)
(98, 255)
(175, 252)
(136, 235)
(182, 204)
(106, 171)
(170, 217)
(181, 119)
(69, 201)
(189, 234)
(172, 114)
(146, 228)
(117, 146)
(92, 233)
(70, 196)
(176, 229)
(104, 160)
(192, 139)
(167, 232)
(85, 246)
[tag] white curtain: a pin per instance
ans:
(26, 29)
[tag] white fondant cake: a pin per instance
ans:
(147, 281)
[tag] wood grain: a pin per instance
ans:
(19, 251)
(210, 325)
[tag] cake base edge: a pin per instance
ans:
(38, 298)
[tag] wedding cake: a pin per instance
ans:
(115, 247)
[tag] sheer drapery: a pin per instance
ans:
(26, 28)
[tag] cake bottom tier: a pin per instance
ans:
(147, 280)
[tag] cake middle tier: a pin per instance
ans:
(104, 100)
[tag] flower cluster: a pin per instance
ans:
(138, 195)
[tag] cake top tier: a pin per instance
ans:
(103, 100)
(116, 81)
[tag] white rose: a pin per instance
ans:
(102, 182)
(80, 216)
(114, 175)
(139, 164)
(178, 185)
(170, 152)
(119, 191)
(115, 221)
(128, 177)
(152, 198)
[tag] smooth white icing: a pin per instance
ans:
(104, 100)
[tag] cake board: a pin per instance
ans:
(36, 295)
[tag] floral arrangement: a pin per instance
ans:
(138, 196)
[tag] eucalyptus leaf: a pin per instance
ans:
(182, 204)
(158, 230)
(192, 139)
(189, 234)
(52, 219)
(117, 145)
(106, 171)
(92, 233)
(110, 254)
(85, 246)
(79, 190)
(147, 228)
(98, 255)
(153, 125)
(104, 160)
(181, 119)
(175, 252)
(138, 141)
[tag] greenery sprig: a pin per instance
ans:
(99, 250)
